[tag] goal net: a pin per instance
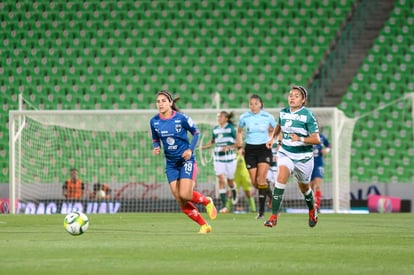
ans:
(114, 147)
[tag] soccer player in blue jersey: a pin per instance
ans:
(169, 129)
(258, 125)
(300, 131)
(319, 152)
(225, 162)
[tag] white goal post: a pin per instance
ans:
(114, 147)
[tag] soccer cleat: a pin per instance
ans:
(211, 209)
(272, 221)
(259, 216)
(313, 217)
(234, 201)
(224, 210)
(204, 229)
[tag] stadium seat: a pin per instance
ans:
(117, 55)
(383, 79)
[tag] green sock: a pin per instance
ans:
(277, 200)
(223, 198)
(252, 204)
(309, 199)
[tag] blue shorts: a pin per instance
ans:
(318, 172)
(181, 169)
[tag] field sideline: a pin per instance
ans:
(161, 243)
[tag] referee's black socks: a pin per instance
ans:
(263, 191)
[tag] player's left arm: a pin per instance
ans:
(311, 139)
(192, 128)
(272, 125)
(313, 128)
(194, 141)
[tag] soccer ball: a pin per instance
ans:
(76, 223)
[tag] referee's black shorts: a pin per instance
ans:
(254, 154)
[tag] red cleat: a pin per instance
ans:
(272, 221)
(313, 217)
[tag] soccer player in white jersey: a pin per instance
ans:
(169, 129)
(225, 162)
(300, 131)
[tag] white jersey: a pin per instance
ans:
(224, 137)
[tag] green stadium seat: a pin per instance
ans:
(116, 60)
(381, 69)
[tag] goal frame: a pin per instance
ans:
(17, 118)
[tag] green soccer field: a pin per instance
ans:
(239, 244)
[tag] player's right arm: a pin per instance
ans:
(276, 132)
(207, 145)
(156, 145)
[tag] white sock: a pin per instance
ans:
(279, 185)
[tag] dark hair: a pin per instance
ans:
(73, 169)
(168, 95)
(258, 98)
(303, 91)
(229, 116)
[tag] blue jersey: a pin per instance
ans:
(172, 133)
(317, 150)
(257, 126)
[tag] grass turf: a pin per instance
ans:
(165, 243)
